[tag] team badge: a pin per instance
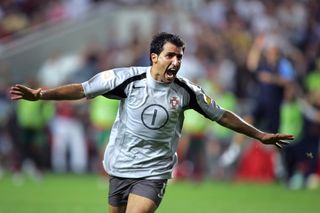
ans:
(174, 101)
(207, 99)
(107, 75)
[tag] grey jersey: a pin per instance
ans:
(145, 135)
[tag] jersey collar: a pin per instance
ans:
(153, 83)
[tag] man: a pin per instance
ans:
(142, 148)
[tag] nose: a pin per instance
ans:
(175, 61)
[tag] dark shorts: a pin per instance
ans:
(120, 188)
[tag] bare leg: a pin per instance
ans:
(114, 209)
(139, 204)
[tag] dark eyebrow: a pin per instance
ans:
(173, 53)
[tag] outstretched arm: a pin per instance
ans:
(66, 92)
(234, 122)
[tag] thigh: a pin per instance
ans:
(148, 193)
(119, 190)
(135, 195)
(117, 209)
(140, 204)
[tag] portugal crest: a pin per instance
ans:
(174, 101)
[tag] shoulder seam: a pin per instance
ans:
(119, 90)
(193, 99)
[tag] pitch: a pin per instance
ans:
(88, 193)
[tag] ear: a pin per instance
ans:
(154, 58)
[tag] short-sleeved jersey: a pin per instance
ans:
(145, 134)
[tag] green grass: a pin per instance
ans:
(76, 194)
(219, 197)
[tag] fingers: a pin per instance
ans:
(278, 145)
(16, 97)
(19, 87)
(284, 136)
(15, 93)
(18, 92)
(281, 144)
(23, 88)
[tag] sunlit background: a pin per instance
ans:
(51, 150)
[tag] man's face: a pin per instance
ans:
(272, 54)
(166, 65)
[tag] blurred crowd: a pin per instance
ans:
(19, 17)
(260, 59)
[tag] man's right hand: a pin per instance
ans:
(19, 91)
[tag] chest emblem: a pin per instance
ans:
(207, 99)
(174, 101)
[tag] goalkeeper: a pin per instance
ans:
(141, 152)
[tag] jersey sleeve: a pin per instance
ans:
(202, 103)
(107, 83)
(99, 84)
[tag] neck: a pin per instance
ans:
(154, 74)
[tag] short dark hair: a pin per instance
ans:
(160, 39)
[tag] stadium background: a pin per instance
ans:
(56, 42)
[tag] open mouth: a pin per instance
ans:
(170, 74)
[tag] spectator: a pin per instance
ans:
(6, 111)
(34, 149)
(68, 139)
(58, 68)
